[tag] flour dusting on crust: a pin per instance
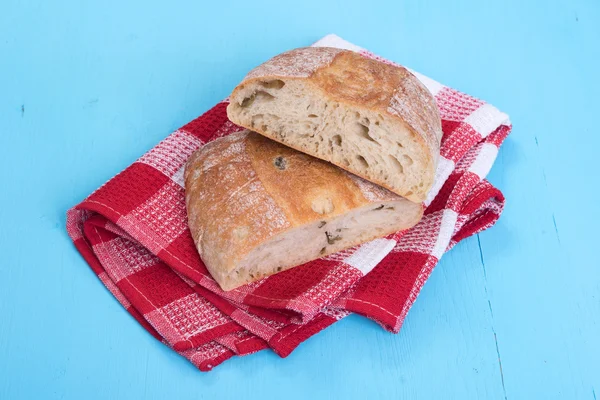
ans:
(298, 63)
(426, 121)
(228, 207)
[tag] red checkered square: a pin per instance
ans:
(497, 137)
(462, 189)
(455, 146)
(154, 287)
(456, 106)
(279, 290)
(418, 283)
(205, 126)
(126, 191)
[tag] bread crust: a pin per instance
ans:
(243, 189)
(350, 78)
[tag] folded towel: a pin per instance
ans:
(133, 233)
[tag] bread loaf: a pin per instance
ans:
(370, 118)
(256, 207)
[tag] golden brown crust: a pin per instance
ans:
(243, 189)
(298, 63)
(301, 184)
(355, 79)
(229, 211)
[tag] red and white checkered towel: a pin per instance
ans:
(133, 233)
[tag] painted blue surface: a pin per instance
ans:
(87, 88)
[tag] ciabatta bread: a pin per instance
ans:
(373, 119)
(256, 207)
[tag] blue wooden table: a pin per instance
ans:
(512, 313)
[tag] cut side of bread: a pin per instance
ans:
(372, 119)
(256, 208)
(318, 239)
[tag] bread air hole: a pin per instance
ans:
(247, 102)
(261, 96)
(275, 84)
(362, 161)
(337, 140)
(406, 160)
(397, 164)
(362, 131)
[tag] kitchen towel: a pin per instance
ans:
(133, 233)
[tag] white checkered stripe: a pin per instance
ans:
(335, 313)
(123, 257)
(186, 317)
(487, 119)
(227, 129)
(444, 235)
(170, 155)
(264, 329)
(423, 237)
(368, 255)
(442, 172)
(75, 221)
(338, 280)
(231, 339)
(163, 216)
(202, 355)
(484, 160)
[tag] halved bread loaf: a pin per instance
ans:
(256, 207)
(373, 119)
